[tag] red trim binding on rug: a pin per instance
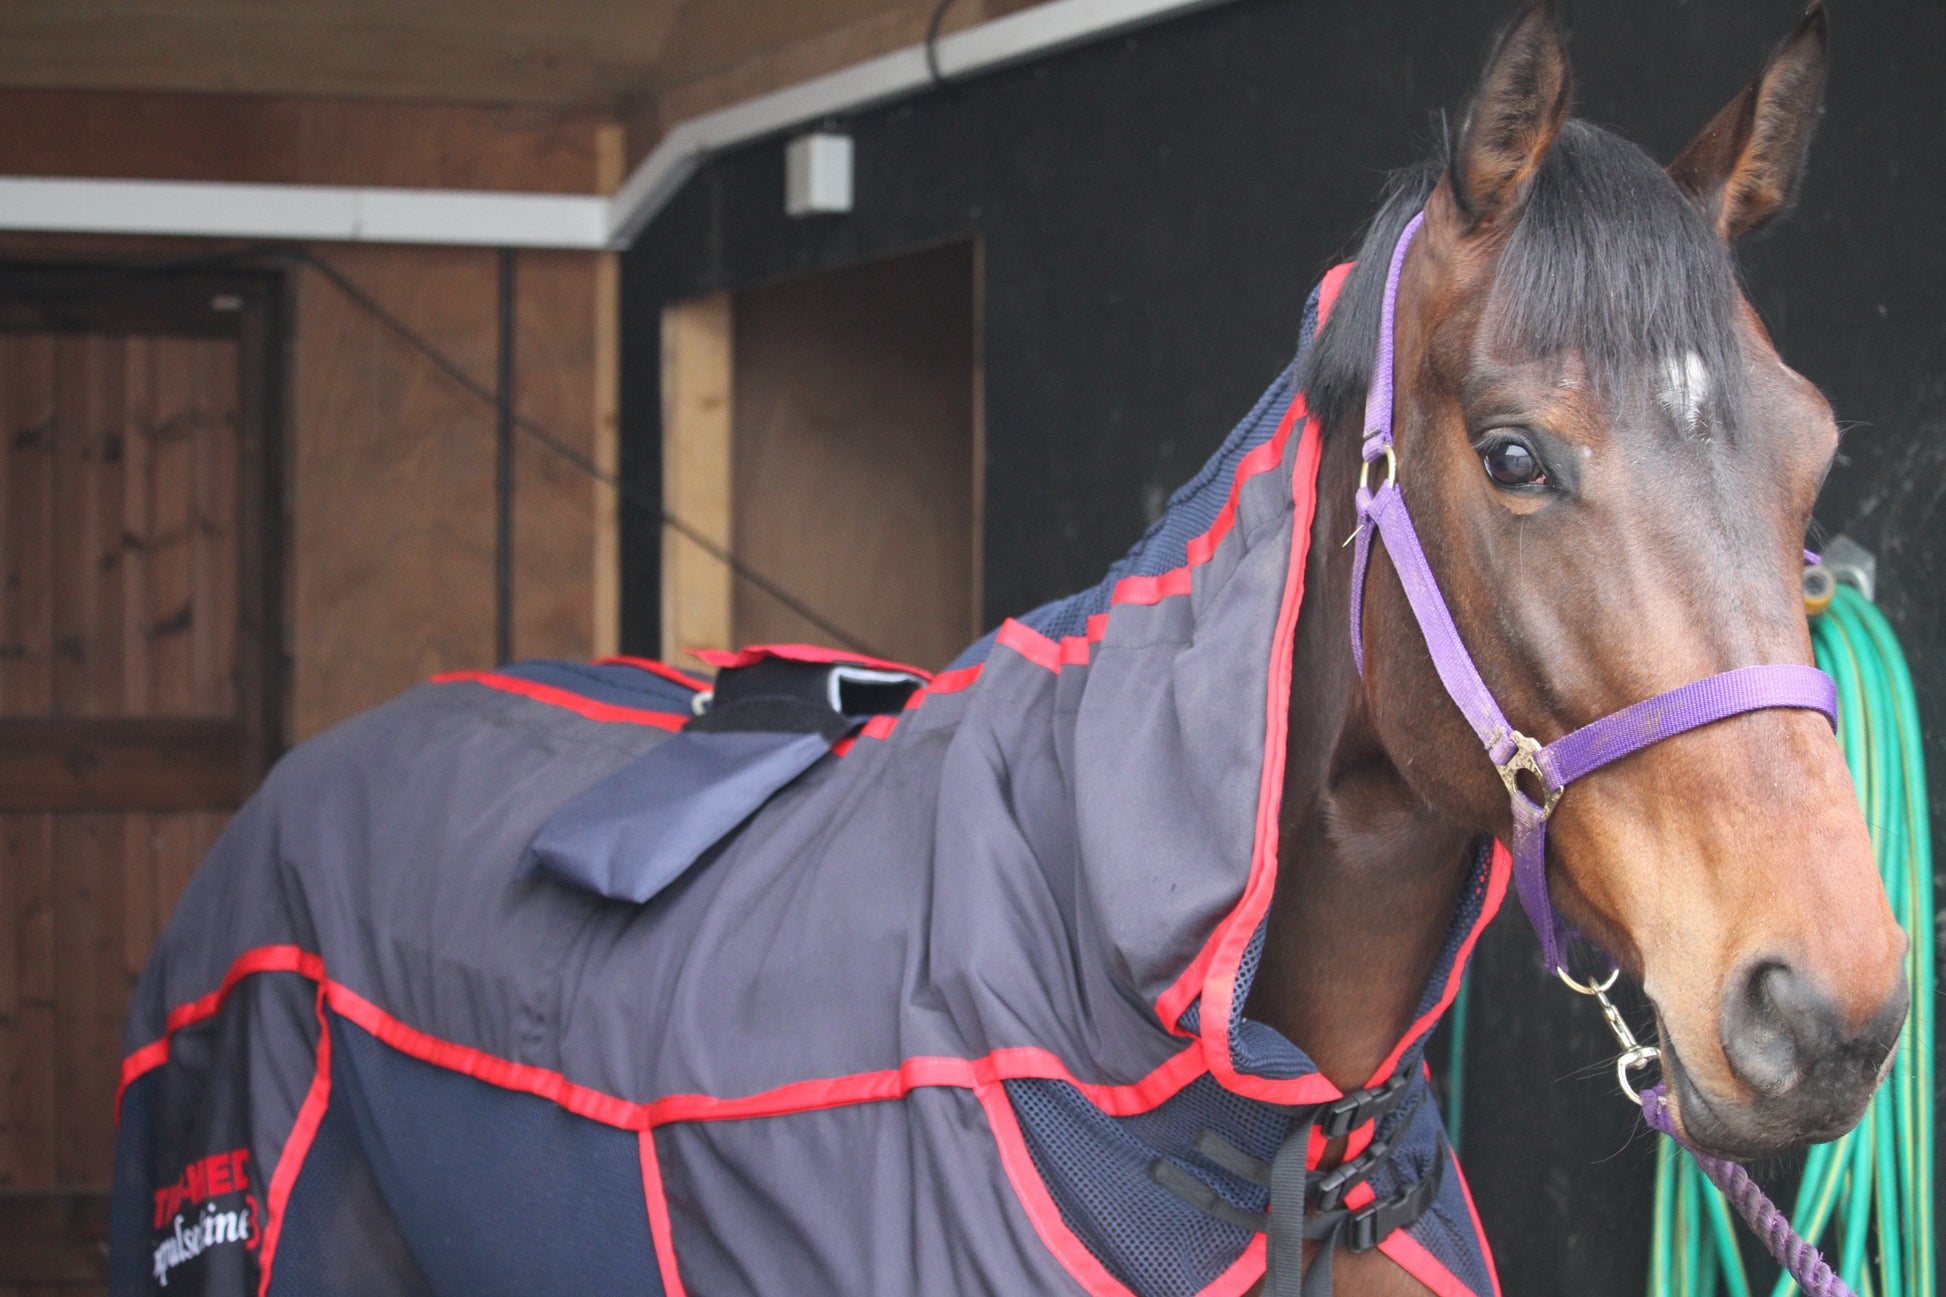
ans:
(1020, 1063)
(1074, 1256)
(264, 959)
(594, 711)
(723, 659)
(654, 667)
(297, 1146)
(1243, 1272)
(661, 1233)
(1479, 1232)
(1413, 1258)
(983, 1076)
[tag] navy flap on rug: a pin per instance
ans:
(764, 724)
(635, 832)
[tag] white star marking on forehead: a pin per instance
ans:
(1685, 390)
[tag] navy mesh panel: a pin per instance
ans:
(1446, 1230)
(1096, 1168)
(494, 1191)
(338, 1235)
(1189, 513)
(617, 683)
(1257, 1049)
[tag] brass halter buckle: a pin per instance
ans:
(1391, 471)
(1525, 757)
(1635, 1055)
(1364, 486)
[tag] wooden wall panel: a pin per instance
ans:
(387, 560)
(855, 455)
(555, 501)
(119, 543)
(118, 627)
(27, 530)
(392, 558)
(297, 141)
(28, 1064)
(391, 553)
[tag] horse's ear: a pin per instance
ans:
(1522, 102)
(1745, 166)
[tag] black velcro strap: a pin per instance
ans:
(773, 715)
(1205, 1199)
(780, 696)
(1233, 1159)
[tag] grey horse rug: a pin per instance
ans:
(543, 981)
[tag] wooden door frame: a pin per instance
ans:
(250, 305)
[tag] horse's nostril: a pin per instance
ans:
(1770, 1018)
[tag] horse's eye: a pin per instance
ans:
(1513, 463)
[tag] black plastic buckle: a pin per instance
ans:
(1376, 1220)
(1332, 1186)
(1342, 1116)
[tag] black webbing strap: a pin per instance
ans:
(1290, 1184)
(1308, 1205)
(1328, 1188)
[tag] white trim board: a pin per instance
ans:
(473, 218)
(324, 212)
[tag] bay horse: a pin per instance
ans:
(1102, 962)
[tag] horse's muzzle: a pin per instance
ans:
(1807, 1080)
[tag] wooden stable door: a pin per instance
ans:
(133, 694)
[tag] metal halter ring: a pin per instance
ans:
(1391, 471)
(1589, 987)
(1526, 752)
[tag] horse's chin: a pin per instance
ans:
(1741, 1130)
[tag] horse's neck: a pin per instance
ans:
(1367, 876)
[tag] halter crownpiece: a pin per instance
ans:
(1553, 766)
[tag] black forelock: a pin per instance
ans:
(1608, 259)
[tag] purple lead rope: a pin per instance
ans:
(1806, 1264)
(1553, 766)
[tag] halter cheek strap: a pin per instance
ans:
(1553, 766)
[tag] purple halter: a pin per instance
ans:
(1555, 765)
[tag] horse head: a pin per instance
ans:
(1613, 472)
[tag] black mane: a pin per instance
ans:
(1608, 258)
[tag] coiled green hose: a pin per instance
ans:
(1865, 1199)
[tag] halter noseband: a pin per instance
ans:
(1554, 765)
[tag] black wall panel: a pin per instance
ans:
(1154, 209)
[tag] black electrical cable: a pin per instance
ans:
(625, 490)
(932, 41)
